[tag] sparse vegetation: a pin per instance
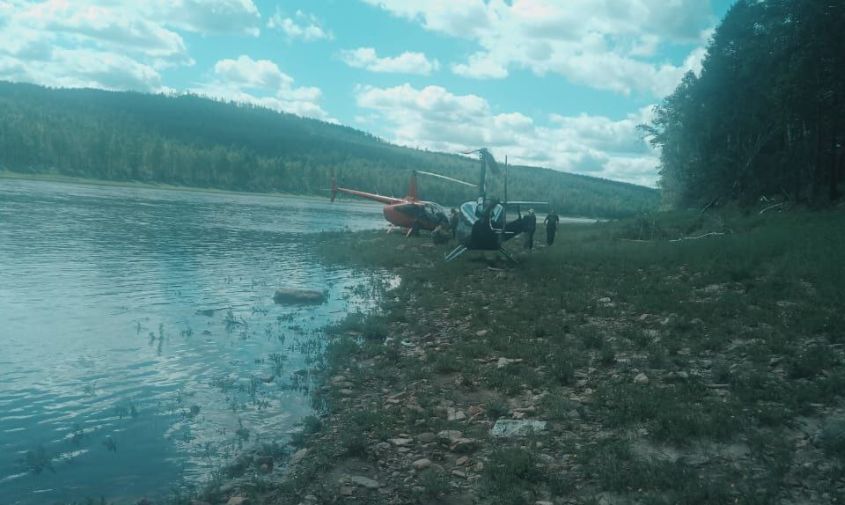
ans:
(657, 365)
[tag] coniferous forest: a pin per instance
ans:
(766, 117)
(194, 141)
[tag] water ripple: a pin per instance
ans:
(113, 382)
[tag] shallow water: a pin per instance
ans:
(138, 332)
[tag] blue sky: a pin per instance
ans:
(554, 83)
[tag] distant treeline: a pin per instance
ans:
(194, 141)
(766, 118)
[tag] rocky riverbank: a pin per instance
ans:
(609, 368)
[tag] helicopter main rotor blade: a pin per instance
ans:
(432, 174)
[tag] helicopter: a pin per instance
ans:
(409, 212)
(483, 223)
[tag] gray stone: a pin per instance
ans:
(464, 445)
(516, 427)
(366, 482)
(503, 362)
(297, 456)
(449, 435)
(453, 414)
(421, 464)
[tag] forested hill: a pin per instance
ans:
(766, 116)
(193, 141)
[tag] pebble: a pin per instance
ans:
(464, 445)
(641, 378)
(455, 415)
(421, 464)
(238, 500)
(426, 438)
(364, 482)
(400, 442)
(297, 456)
(449, 435)
(503, 362)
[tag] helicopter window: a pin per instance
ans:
(497, 217)
(468, 211)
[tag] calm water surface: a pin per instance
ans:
(138, 336)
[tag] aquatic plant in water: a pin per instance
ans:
(37, 460)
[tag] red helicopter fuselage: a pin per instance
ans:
(408, 212)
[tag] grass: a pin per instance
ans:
(511, 475)
(739, 337)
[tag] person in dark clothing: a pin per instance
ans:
(551, 227)
(453, 222)
(530, 220)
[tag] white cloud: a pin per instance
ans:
(604, 44)
(261, 82)
(113, 44)
(481, 66)
(436, 119)
(305, 27)
(83, 68)
(405, 63)
(74, 25)
(206, 17)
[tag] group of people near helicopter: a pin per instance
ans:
(529, 226)
(447, 229)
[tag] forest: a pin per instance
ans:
(194, 141)
(764, 120)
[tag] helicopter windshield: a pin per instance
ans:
(468, 211)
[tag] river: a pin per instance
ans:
(139, 344)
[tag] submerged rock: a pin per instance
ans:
(293, 295)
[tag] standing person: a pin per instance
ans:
(529, 227)
(453, 222)
(440, 234)
(551, 227)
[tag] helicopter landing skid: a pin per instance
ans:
(461, 249)
(456, 252)
(508, 256)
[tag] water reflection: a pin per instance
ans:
(139, 343)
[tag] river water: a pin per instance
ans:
(139, 344)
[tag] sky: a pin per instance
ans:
(560, 84)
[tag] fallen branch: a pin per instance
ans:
(770, 207)
(711, 234)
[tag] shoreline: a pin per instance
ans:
(609, 368)
(85, 181)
